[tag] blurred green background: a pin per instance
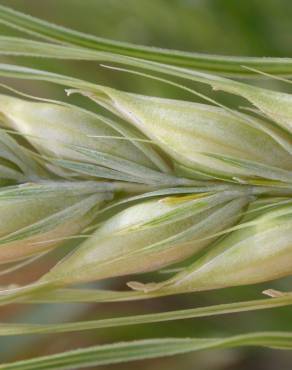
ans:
(254, 28)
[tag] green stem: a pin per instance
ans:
(227, 65)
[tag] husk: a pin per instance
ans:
(41, 216)
(260, 250)
(16, 164)
(205, 141)
(150, 235)
(63, 132)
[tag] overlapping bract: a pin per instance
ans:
(206, 141)
(37, 217)
(84, 143)
(161, 142)
(16, 163)
(260, 250)
(151, 235)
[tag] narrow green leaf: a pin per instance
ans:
(14, 71)
(228, 65)
(146, 349)
(222, 309)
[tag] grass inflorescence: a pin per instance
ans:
(163, 182)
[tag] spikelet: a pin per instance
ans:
(260, 250)
(37, 217)
(206, 141)
(150, 235)
(86, 143)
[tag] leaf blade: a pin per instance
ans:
(198, 312)
(228, 65)
(146, 349)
